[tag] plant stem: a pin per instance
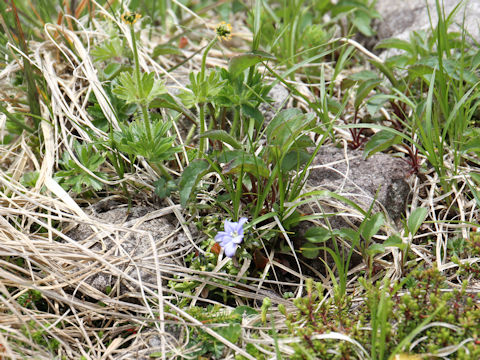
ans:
(201, 105)
(143, 106)
(236, 120)
(202, 130)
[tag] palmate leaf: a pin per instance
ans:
(108, 50)
(75, 177)
(134, 140)
(144, 93)
(202, 91)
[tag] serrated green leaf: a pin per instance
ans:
(381, 141)
(223, 136)
(190, 177)
(416, 219)
(143, 93)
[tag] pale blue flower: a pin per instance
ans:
(231, 237)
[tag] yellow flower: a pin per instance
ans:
(224, 31)
(130, 18)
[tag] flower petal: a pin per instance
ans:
(220, 235)
(230, 249)
(229, 226)
(237, 239)
(223, 238)
(242, 221)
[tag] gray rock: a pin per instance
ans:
(400, 18)
(279, 94)
(380, 178)
(130, 250)
(360, 179)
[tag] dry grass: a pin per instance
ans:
(37, 254)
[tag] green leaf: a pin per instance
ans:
(238, 161)
(371, 226)
(364, 75)
(254, 113)
(111, 70)
(395, 241)
(241, 62)
(362, 21)
(472, 145)
(166, 49)
(392, 241)
(143, 93)
(285, 128)
(381, 141)
(376, 102)
(416, 219)
(245, 310)
(134, 140)
(476, 60)
(364, 90)
(231, 332)
(295, 159)
(347, 233)
(76, 178)
(393, 43)
(190, 177)
(223, 136)
(310, 251)
(108, 50)
(317, 234)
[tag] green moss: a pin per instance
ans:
(418, 297)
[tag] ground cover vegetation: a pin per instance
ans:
(169, 104)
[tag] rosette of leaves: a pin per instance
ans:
(201, 91)
(134, 140)
(244, 94)
(73, 176)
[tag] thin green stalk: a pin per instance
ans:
(204, 58)
(202, 130)
(236, 121)
(202, 127)
(143, 106)
(160, 169)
